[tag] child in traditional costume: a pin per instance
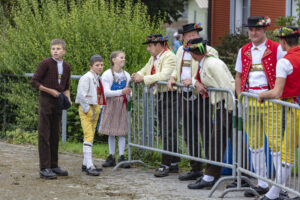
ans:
(114, 117)
(90, 95)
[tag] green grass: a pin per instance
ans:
(99, 150)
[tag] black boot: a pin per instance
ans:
(124, 165)
(110, 161)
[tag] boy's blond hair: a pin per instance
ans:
(58, 41)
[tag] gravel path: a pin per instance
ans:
(19, 179)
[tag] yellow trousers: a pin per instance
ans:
(263, 119)
(89, 122)
(291, 136)
(266, 119)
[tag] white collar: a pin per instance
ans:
(201, 61)
(157, 57)
(259, 47)
(58, 61)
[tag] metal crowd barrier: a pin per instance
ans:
(64, 112)
(270, 131)
(158, 122)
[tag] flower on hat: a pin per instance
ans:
(284, 31)
(264, 22)
(197, 25)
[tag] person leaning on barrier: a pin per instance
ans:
(52, 79)
(255, 72)
(186, 68)
(287, 87)
(159, 68)
(212, 72)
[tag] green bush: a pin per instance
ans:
(88, 27)
(19, 136)
(229, 48)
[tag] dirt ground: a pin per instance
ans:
(19, 179)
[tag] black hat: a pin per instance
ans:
(63, 101)
(286, 32)
(191, 27)
(258, 22)
(155, 38)
(197, 43)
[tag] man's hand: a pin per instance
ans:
(260, 98)
(200, 88)
(137, 78)
(126, 90)
(171, 82)
(187, 82)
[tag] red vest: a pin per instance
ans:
(268, 61)
(292, 84)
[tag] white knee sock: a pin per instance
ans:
(121, 145)
(87, 154)
(276, 157)
(208, 178)
(111, 144)
(282, 174)
(259, 163)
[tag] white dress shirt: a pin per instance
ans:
(257, 78)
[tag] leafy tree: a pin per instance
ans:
(89, 27)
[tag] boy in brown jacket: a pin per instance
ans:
(52, 79)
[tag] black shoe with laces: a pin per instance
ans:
(234, 184)
(109, 162)
(123, 165)
(59, 172)
(191, 175)
(259, 190)
(202, 184)
(83, 168)
(162, 171)
(92, 171)
(47, 174)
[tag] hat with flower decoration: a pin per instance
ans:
(258, 22)
(155, 38)
(195, 44)
(286, 32)
(191, 27)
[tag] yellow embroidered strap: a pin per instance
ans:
(59, 76)
(187, 63)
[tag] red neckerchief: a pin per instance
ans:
(102, 92)
(199, 79)
(153, 67)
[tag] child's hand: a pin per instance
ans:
(126, 91)
(55, 93)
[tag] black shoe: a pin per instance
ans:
(83, 168)
(59, 172)
(162, 171)
(266, 198)
(109, 162)
(201, 184)
(92, 171)
(234, 184)
(47, 174)
(124, 165)
(173, 168)
(259, 190)
(284, 195)
(191, 175)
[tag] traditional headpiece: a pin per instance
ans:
(191, 27)
(258, 22)
(194, 44)
(155, 38)
(285, 32)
